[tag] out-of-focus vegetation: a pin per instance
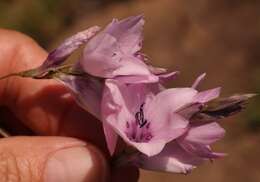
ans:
(46, 19)
(220, 37)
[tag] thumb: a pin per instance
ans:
(50, 159)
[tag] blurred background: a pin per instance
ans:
(219, 37)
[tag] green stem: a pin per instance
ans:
(7, 76)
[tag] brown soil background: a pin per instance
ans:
(219, 37)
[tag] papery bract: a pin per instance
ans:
(59, 55)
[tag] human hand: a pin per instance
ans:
(46, 109)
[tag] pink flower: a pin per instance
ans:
(147, 118)
(115, 53)
(166, 129)
(112, 53)
(171, 129)
(185, 153)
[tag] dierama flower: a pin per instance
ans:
(112, 53)
(148, 120)
(115, 52)
(160, 125)
(185, 153)
(165, 129)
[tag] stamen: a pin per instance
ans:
(139, 117)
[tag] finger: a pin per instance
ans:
(52, 159)
(43, 105)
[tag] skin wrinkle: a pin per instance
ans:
(17, 174)
(11, 172)
(28, 166)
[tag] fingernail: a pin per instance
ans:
(76, 164)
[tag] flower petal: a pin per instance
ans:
(150, 148)
(119, 105)
(200, 150)
(208, 95)
(128, 33)
(115, 110)
(137, 79)
(172, 159)
(170, 129)
(112, 52)
(198, 80)
(205, 134)
(59, 55)
(167, 102)
(167, 76)
(86, 90)
(111, 137)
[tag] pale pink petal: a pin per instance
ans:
(198, 80)
(160, 109)
(172, 159)
(206, 96)
(150, 148)
(115, 110)
(205, 134)
(155, 70)
(137, 79)
(105, 64)
(129, 65)
(169, 129)
(111, 53)
(87, 91)
(168, 76)
(111, 137)
(128, 33)
(200, 150)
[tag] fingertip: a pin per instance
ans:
(78, 164)
(52, 159)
